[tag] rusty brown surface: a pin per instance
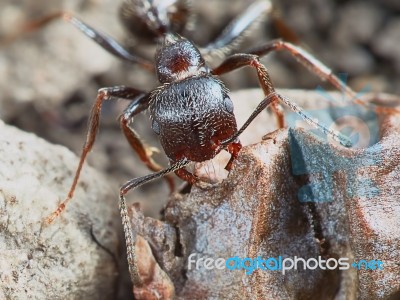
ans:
(256, 211)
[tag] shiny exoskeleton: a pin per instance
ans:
(191, 110)
(146, 19)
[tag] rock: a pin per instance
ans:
(157, 283)
(61, 260)
(47, 66)
(293, 194)
(357, 22)
(346, 34)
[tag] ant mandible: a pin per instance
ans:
(190, 111)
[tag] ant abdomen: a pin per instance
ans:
(192, 117)
(149, 21)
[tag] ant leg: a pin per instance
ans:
(233, 149)
(232, 35)
(240, 60)
(185, 175)
(94, 119)
(260, 107)
(279, 114)
(103, 40)
(314, 66)
(144, 152)
(130, 236)
(232, 144)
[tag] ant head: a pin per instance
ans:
(177, 58)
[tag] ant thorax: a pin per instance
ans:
(177, 58)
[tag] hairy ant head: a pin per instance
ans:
(177, 58)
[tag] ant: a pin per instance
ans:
(190, 111)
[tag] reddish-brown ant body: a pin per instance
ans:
(191, 110)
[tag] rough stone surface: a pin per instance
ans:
(60, 260)
(158, 284)
(256, 211)
(358, 38)
(35, 63)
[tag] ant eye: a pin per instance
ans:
(155, 126)
(228, 104)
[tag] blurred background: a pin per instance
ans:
(49, 79)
